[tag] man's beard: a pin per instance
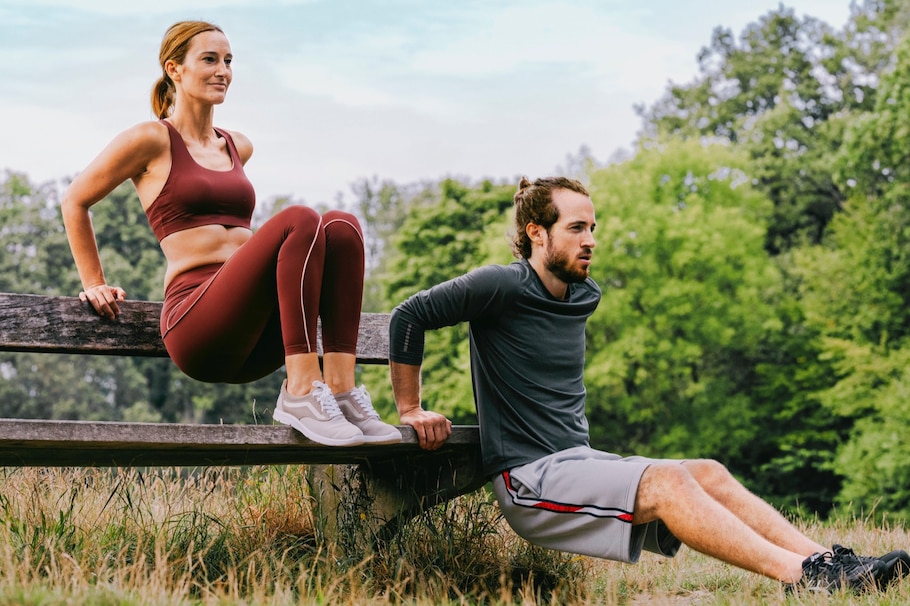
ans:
(560, 266)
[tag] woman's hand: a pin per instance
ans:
(104, 299)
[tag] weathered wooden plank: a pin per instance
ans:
(66, 325)
(45, 324)
(380, 485)
(27, 442)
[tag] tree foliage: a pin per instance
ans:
(691, 343)
(782, 91)
(856, 290)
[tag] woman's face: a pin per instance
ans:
(205, 74)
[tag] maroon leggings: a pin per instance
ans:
(235, 322)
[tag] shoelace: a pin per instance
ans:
(845, 552)
(326, 400)
(847, 559)
(845, 565)
(822, 571)
(818, 561)
(362, 397)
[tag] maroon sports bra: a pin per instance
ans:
(194, 195)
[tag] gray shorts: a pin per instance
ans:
(581, 500)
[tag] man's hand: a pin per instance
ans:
(432, 428)
(104, 299)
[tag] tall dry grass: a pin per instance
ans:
(248, 537)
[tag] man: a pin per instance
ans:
(527, 335)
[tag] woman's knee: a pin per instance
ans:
(342, 220)
(298, 214)
(340, 215)
(342, 229)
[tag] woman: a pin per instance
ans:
(237, 304)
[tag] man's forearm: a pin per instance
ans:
(405, 386)
(432, 428)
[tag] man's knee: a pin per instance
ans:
(661, 485)
(708, 472)
(665, 475)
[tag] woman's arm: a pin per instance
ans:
(127, 156)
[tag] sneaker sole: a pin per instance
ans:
(389, 439)
(292, 421)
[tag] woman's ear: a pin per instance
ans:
(170, 68)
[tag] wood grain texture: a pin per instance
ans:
(45, 324)
(50, 324)
(27, 442)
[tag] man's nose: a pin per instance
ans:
(590, 241)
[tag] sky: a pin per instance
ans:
(332, 92)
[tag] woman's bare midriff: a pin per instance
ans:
(198, 246)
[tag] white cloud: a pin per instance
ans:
(121, 7)
(337, 90)
(460, 66)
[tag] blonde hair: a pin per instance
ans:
(534, 204)
(174, 46)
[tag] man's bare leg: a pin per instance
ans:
(757, 513)
(669, 492)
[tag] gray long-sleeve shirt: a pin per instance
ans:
(527, 356)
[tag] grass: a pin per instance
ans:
(250, 537)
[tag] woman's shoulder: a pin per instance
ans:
(149, 136)
(241, 142)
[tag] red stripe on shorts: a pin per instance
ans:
(557, 507)
(562, 507)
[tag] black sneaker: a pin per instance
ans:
(828, 572)
(897, 564)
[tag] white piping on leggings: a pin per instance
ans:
(320, 231)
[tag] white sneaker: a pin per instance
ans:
(358, 409)
(317, 416)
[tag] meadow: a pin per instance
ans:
(251, 536)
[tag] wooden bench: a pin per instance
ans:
(391, 483)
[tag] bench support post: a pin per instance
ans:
(360, 505)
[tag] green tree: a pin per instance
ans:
(383, 207)
(782, 90)
(855, 288)
(691, 346)
(34, 256)
(129, 251)
(35, 259)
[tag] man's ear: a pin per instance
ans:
(536, 233)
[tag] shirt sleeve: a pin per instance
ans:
(481, 293)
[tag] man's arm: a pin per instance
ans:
(462, 299)
(432, 428)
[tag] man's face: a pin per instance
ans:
(570, 241)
